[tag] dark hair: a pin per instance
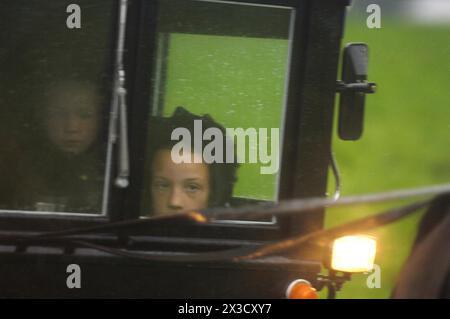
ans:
(222, 175)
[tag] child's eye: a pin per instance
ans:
(160, 185)
(192, 188)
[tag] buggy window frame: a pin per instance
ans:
(303, 168)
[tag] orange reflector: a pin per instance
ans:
(301, 289)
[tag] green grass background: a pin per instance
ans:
(406, 141)
(240, 82)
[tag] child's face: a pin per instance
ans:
(72, 119)
(178, 187)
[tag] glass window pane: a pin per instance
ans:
(235, 70)
(54, 105)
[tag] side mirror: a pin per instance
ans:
(352, 89)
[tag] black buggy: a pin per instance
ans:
(256, 248)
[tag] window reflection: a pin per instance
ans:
(72, 116)
(69, 157)
(230, 61)
(54, 106)
(60, 167)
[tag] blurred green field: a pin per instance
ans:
(406, 142)
(240, 82)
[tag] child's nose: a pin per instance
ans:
(176, 199)
(71, 123)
